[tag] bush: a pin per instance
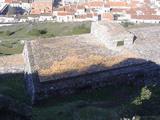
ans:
(42, 32)
(1, 32)
(36, 32)
(144, 96)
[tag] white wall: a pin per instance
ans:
(2, 1)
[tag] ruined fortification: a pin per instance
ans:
(11, 64)
(65, 65)
(112, 35)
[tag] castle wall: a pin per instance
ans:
(132, 71)
(11, 64)
(139, 74)
(30, 75)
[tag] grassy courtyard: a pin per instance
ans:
(12, 37)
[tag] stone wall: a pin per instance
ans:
(11, 64)
(29, 72)
(11, 69)
(143, 73)
(111, 35)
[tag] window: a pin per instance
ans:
(120, 43)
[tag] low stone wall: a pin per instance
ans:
(139, 74)
(11, 64)
(11, 69)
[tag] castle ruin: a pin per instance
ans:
(65, 65)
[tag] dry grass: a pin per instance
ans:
(79, 64)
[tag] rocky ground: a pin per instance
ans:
(147, 44)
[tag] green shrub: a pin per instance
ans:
(42, 32)
(144, 96)
(36, 32)
(1, 32)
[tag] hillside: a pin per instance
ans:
(12, 37)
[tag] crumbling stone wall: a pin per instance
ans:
(11, 69)
(140, 74)
(11, 64)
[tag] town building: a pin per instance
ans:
(135, 11)
(42, 7)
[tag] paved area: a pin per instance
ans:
(147, 44)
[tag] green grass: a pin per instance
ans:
(129, 25)
(10, 47)
(80, 29)
(11, 36)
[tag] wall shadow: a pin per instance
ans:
(112, 93)
(126, 82)
(14, 103)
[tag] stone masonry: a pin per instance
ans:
(11, 64)
(69, 64)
